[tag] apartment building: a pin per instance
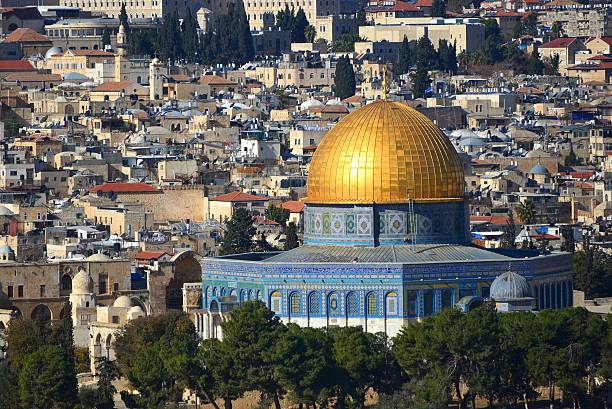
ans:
(580, 22)
(134, 8)
(467, 34)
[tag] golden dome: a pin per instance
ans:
(384, 152)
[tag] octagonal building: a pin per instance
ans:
(386, 237)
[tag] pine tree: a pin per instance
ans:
(344, 80)
(403, 61)
(107, 373)
(239, 231)
(291, 238)
(420, 81)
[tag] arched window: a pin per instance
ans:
(564, 294)
(391, 303)
(275, 302)
(259, 296)
(314, 307)
(295, 301)
(333, 305)
(41, 313)
(250, 295)
(66, 285)
(352, 306)
(242, 295)
(232, 292)
(371, 306)
(222, 292)
(209, 293)
(214, 291)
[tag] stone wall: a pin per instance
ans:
(173, 203)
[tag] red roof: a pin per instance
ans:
(544, 236)
(26, 35)
(148, 255)
(335, 109)
(238, 197)
(113, 86)
(211, 79)
(266, 222)
(120, 187)
(507, 13)
(489, 219)
(607, 40)
(16, 65)
(582, 175)
(294, 206)
(33, 77)
(563, 42)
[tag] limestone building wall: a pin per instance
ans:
(173, 203)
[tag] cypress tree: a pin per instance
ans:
(123, 19)
(245, 40)
(403, 61)
(106, 38)
(300, 23)
(239, 231)
(438, 8)
(344, 80)
(420, 80)
(189, 36)
(291, 238)
(443, 55)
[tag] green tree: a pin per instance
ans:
(239, 231)
(345, 43)
(24, 337)
(571, 159)
(88, 398)
(491, 51)
(9, 391)
(438, 8)
(107, 372)
(509, 236)
(298, 31)
(344, 81)
(170, 41)
(291, 238)
(556, 30)
(189, 37)
(46, 380)
(592, 271)
(106, 38)
(123, 19)
(365, 362)
(305, 366)
(253, 357)
(530, 25)
(310, 33)
(278, 214)
(420, 81)
(569, 244)
(403, 60)
(526, 212)
(425, 54)
(219, 377)
(148, 375)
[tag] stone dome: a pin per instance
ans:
(98, 257)
(311, 103)
(123, 302)
(510, 286)
(539, 170)
(82, 283)
(385, 153)
(53, 51)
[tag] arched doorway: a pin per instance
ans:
(109, 345)
(41, 313)
(187, 269)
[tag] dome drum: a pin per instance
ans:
(372, 225)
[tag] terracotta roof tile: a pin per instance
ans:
(113, 86)
(148, 255)
(294, 206)
(90, 53)
(210, 79)
(562, 42)
(16, 65)
(33, 77)
(26, 35)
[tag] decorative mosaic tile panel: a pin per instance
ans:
(383, 224)
(350, 224)
(364, 224)
(337, 224)
(397, 223)
(326, 223)
(318, 223)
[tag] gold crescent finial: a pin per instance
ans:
(384, 82)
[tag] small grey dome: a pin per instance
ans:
(472, 141)
(539, 170)
(4, 211)
(53, 51)
(98, 257)
(510, 286)
(123, 301)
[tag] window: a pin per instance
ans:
(334, 307)
(352, 308)
(391, 303)
(42, 290)
(20, 291)
(9, 291)
(102, 283)
(275, 302)
(313, 304)
(447, 298)
(411, 303)
(115, 287)
(115, 319)
(296, 303)
(371, 304)
(428, 302)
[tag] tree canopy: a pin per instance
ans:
(344, 80)
(239, 231)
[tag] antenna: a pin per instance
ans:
(384, 82)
